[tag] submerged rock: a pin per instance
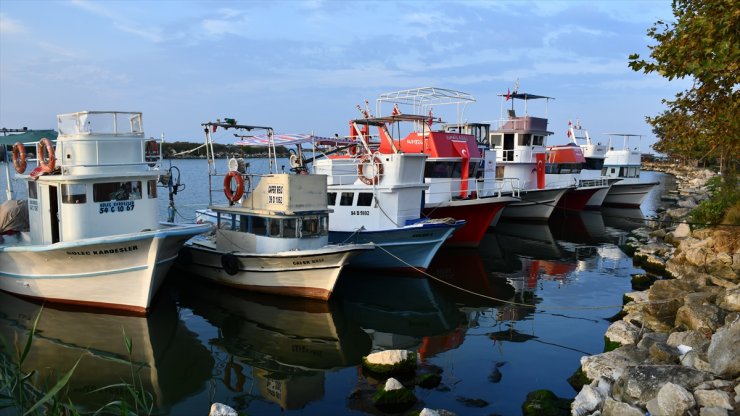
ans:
(545, 403)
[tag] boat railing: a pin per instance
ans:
(583, 183)
(512, 185)
(105, 123)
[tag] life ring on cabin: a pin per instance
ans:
(377, 172)
(230, 264)
(151, 152)
(45, 145)
(233, 195)
(19, 157)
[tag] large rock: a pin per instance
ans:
(615, 408)
(623, 332)
(671, 400)
(699, 317)
(713, 398)
(640, 384)
(611, 365)
(693, 339)
(390, 362)
(723, 350)
(586, 401)
(731, 300)
(682, 231)
(218, 409)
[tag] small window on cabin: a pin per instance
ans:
(331, 198)
(33, 190)
(259, 226)
(243, 223)
(457, 170)
(151, 189)
(438, 170)
(310, 227)
(324, 225)
(525, 139)
(623, 172)
(551, 168)
(497, 140)
(538, 140)
(116, 191)
(500, 172)
(274, 227)
(290, 228)
(74, 193)
(346, 199)
(364, 199)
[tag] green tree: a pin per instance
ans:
(703, 43)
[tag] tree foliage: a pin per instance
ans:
(703, 43)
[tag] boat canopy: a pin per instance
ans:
(262, 140)
(28, 137)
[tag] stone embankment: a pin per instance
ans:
(676, 348)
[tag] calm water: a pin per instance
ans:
(272, 356)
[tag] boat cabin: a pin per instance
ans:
(564, 159)
(622, 163)
(594, 153)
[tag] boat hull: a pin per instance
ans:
(402, 249)
(597, 199)
(119, 272)
(628, 194)
(576, 199)
(306, 273)
(535, 204)
(478, 214)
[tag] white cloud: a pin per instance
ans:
(119, 20)
(10, 26)
(553, 35)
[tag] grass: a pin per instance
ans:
(17, 390)
(723, 207)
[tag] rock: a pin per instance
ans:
(713, 398)
(639, 384)
(428, 412)
(642, 281)
(723, 350)
(218, 409)
(687, 203)
(662, 353)
(396, 400)
(671, 400)
(615, 408)
(392, 384)
(545, 403)
(682, 231)
(731, 300)
(677, 213)
(587, 400)
(693, 339)
(696, 361)
(390, 362)
(651, 338)
(611, 365)
(712, 411)
(702, 318)
(623, 333)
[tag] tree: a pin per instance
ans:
(703, 43)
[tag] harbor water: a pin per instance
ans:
(513, 316)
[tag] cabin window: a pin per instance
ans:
(500, 172)
(274, 227)
(551, 168)
(33, 191)
(497, 140)
(538, 140)
(331, 198)
(243, 223)
(290, 228)
(594, 164)
(438, 170)
(525, 139)
(314, 226)
(346, 199)
(364, 199)
(152, 189)
(259, 226)
(74, 193)
(117, 191)
(623, 172)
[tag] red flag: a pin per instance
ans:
(396, 111)
(569, 124)
(508, 94)
(431, 118)
(214, 127)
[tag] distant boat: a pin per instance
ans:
(594, 154)
(564, 166)
(92, 237)
(623, 165)
(273, 236)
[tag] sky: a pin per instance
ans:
(304, 66)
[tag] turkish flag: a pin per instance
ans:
(508, 94)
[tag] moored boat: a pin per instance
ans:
(623, 165)
(563, 168)
(272, 237)
(93, 237)
(593, 153)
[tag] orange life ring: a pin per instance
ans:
(45, 144)
(233, 195)
(151, 152)
(378, 171)
(19, 157)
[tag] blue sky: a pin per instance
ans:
(303, 66)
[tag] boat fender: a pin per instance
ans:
(233, 195)
(45, 146)
(19, 157)
(377, 169)
(230, 264)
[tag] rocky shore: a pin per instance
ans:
(675, 349)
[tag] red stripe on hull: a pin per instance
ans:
(576, 198)
(478, 218)
(114, 307)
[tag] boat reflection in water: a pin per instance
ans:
(174, 364)
(286, 343)
(397, 311)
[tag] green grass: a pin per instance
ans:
(723, 207)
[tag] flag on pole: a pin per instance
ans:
(569, 124)
(396, 111)
(431, 119)
(508, 94)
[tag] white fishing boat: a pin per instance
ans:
(92, 237)
(519, 142)
(377, 198)
(623, 165)
(594, 153)
(273, 238)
